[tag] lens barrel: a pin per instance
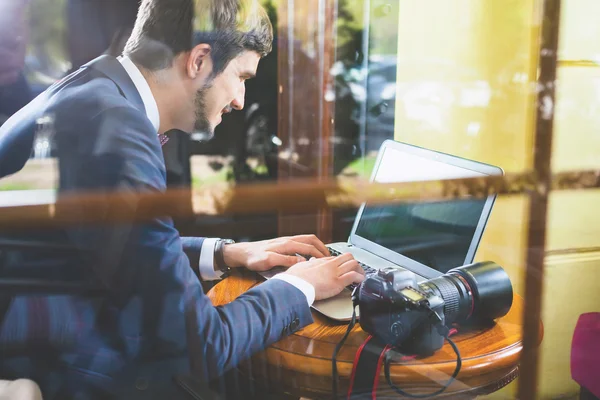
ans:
(475, 292)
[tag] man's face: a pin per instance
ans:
(224, 92)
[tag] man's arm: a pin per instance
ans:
(218, 338)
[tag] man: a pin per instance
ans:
(155, 321)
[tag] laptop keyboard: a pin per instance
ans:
(368, 270)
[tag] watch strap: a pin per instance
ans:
(219, 258)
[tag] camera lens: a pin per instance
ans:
(480, 291)
(491, 287)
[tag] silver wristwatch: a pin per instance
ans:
(219, 259)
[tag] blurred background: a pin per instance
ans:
(457, 76)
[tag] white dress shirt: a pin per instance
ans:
(206, 267)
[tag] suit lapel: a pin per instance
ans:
(112, 68)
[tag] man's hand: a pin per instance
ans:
(264, 255)
(329, 275)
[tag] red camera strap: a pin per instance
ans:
(366, 370)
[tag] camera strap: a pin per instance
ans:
(366, 370)
(368, 362)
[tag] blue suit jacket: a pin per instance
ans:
(155, 321)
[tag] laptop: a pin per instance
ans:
(427, 238)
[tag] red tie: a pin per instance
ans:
(163, 139)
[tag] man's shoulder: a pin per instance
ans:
(95, 115)
(97, 98)
(100, 130)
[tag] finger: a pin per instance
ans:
(313, 240)
(282, 260)
(321, 260)
(350, 266)
(325, 259)
(312, 258)
(343, 258)
(292, 247)
(351, 277)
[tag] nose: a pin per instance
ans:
(238, 101)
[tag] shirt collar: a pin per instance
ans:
(144, 90)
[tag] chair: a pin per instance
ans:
(585, 355)
(27, 285)
(24, 389)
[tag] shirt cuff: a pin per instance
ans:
(207, 261)
(300, 284)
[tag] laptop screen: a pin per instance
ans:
(437, 234)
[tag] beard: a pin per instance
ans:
(202, 124)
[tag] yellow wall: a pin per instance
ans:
(466, 85)
(464, 77)
(577, 143)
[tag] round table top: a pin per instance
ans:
(301, 363)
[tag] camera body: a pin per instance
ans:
(415, 317)
(394, 309)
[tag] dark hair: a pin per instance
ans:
(167, 28)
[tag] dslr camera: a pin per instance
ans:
(415, 317)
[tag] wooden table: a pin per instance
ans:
(301, 363)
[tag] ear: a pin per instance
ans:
(199, 61)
